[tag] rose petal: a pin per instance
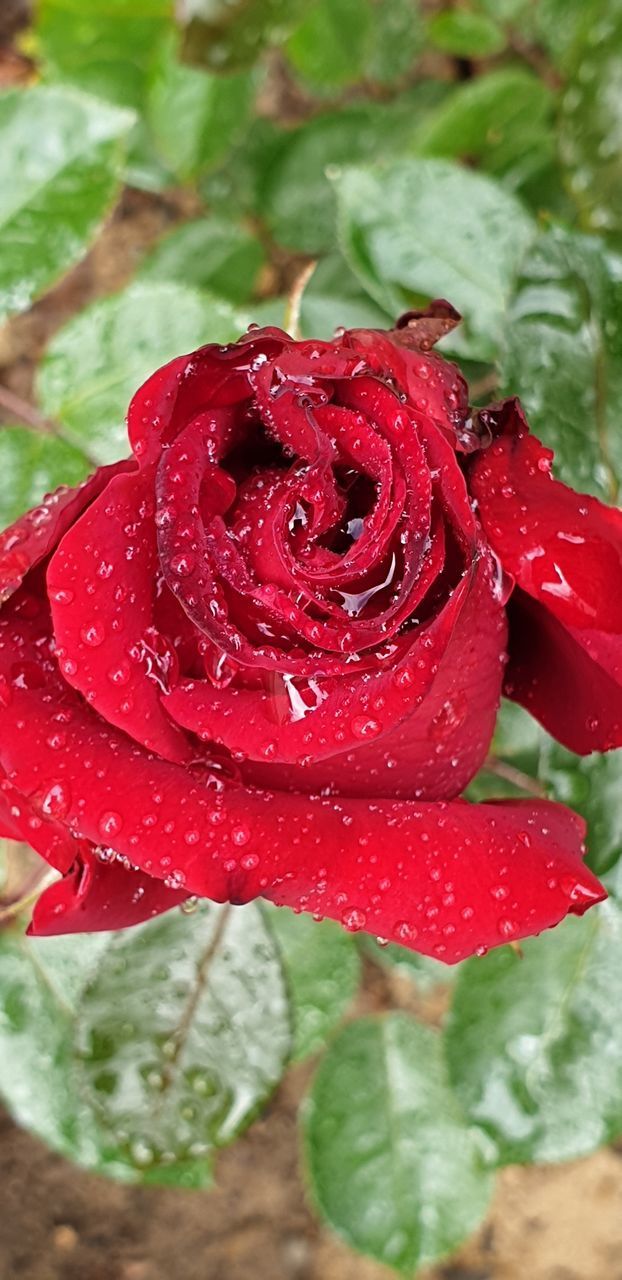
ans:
(101, 584)
(31, 539)
(93, 896)
(446, 879)
(564, 551)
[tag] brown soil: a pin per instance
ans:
(58, 1223)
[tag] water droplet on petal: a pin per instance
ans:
(110, 824)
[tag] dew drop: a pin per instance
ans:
(364, 727)
(110, 824)
(353, 919)
(93, 635)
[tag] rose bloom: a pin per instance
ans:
(264, 657)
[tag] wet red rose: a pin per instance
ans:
(264, 658)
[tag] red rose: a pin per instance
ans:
(265, 657)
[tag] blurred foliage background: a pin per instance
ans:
(167, 176)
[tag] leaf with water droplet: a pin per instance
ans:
(322, 971)
(94, 363)
(427, 228)
(56, 184)
(562, 355)
(208, 254)
(534, 1044)
(590, 118)
(179, 1061)
(392, 1163)
(33, 464)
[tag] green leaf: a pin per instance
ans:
(397, 37)
(40, 993)
(104, 47)
(334, 299)
(563, 356)
(227, 35)
(503, 119)
(465, 34)
(94, 364)
(136, 1053)
(416, 229)
(213, 108)
(33, 464)
(534, 1044)
(330, 45)
(295, 195)
(107, 47)
(392, 1165)
(322, 972)
(208, 254)
(425, 972)
(183, 1033)
(59, 163)
(591, 123)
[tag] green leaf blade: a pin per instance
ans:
(56, 184)
(322, 970)
(427, 228)
(534, 1044)
(392, 1165)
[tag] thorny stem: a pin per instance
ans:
(509, 773)
(31, 417)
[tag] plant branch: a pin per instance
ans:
(31, 417)
(509, 773)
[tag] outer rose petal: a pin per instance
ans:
(447, 879)
(564, 551)
(102, 584)
(94, 896)
(31, 539)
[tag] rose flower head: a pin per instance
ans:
(264, 657)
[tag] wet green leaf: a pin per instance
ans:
(227, 35)
(534, 1043)
(208, 254)
(193, 117)
(322, 972)
(503, 119)
(397, 37)
(183, 1032)
(591, 123)
(108, 48)
(33, 464)
(415, 229)
(42, 984)
(105, 46)
(330, 45)
(59, 163)
(136, 1053)
(295, 194)
(96, 362)
(334, 298)
(466, 34)
(562, 355)
(392, 1164)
